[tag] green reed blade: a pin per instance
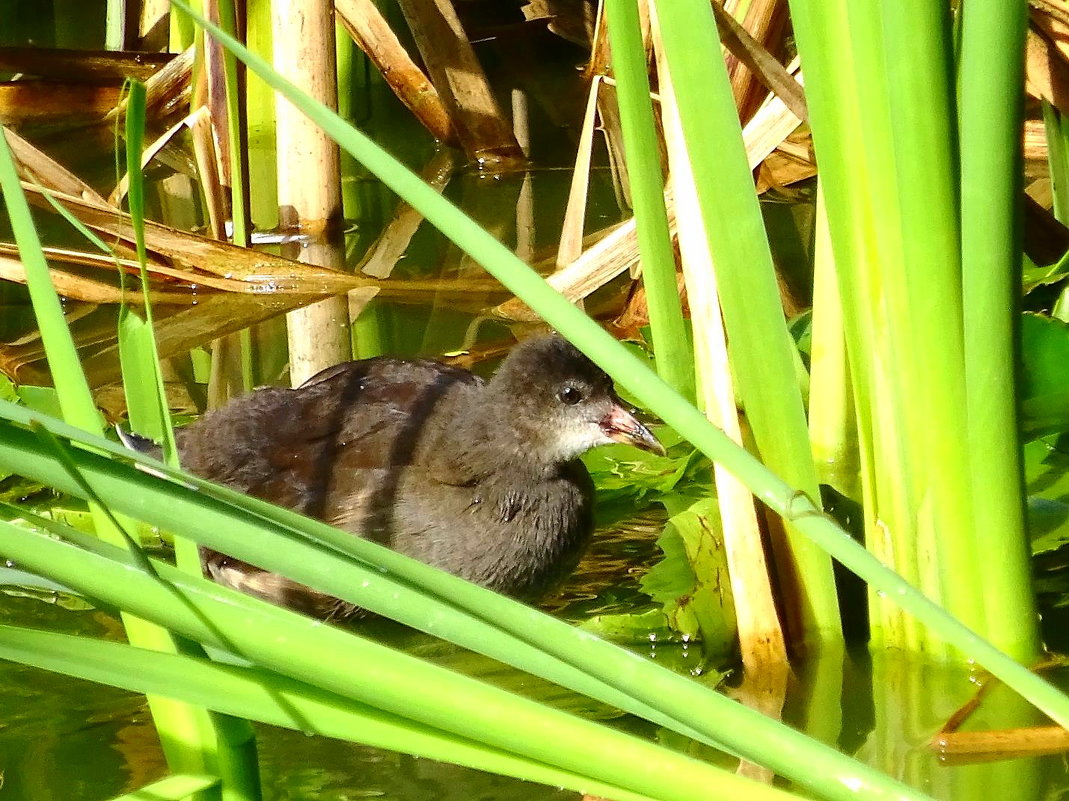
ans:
(184, 731)
(388, 680)
(265, 696)
(496, 625)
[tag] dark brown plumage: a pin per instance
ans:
(478, 478)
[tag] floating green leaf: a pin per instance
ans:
(1044, 376)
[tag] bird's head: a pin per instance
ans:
(561, 404)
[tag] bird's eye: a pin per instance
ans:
(570, 395)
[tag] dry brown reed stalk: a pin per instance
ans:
(616, 248)
(1046, 54)
(970, 747)
(759, 71)
(374, 36)
(241, 271)
(956, 747)
(608, 108)
(214, 152)
(88, 66)
(93, 289)
(167, 92)
(309, 178)
(186, 317)
(32, 103)
(203, 132)
(763, 25)
(778, 117)
(482, 129)
(526, 227)
(206, 261)
(215, 98)
(150, 152)
(1035, 143)
(571, 237)
(153, 29)
(178, 329)
(36, 167)
(575, 22)
(97, 96)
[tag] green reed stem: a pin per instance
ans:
(924, 352)
(991, 102)
(928, 300)
(671, 344)
(171, 788)
(237, 141)
(833, 424)
(146, 397)
(760, 346)
(184, 731)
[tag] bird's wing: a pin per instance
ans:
(336, 434)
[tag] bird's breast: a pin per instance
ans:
(518, 537)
